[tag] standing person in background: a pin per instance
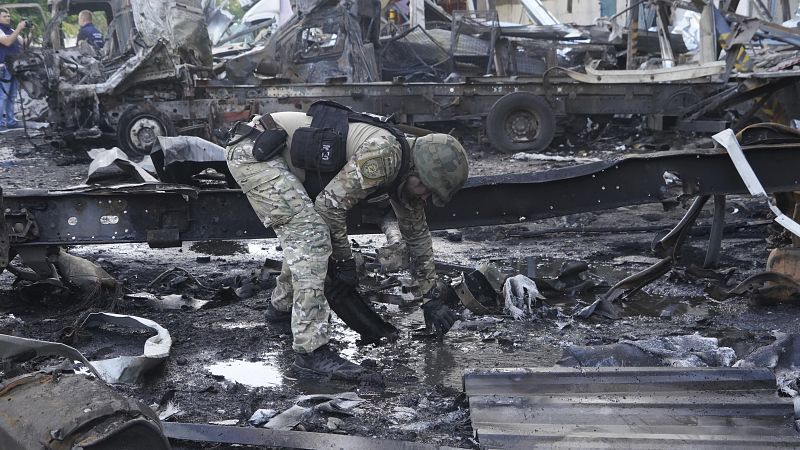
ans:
(88, 31)
(10, 43)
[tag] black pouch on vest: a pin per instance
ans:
(318, 149)
(239, 132)
(269, 144)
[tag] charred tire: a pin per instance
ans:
(520, 121)
(139, 127)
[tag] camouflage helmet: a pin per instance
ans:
(440, 162)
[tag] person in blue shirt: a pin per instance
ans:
(88, 31)
(10, 43)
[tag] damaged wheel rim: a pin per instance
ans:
(522, 126)
(145, 131)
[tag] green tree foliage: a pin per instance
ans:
(69, 25)
(235, 7)
(32, 14)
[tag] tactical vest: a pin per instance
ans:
(321, 148)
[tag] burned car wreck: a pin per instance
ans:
(324, 44)
(141, 85)
(144, 62)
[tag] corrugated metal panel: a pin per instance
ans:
(653, 407)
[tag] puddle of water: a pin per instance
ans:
(445, 363)
(351, 338)
(655, 306)
(264, 373)
(354, 350)
(550, 267)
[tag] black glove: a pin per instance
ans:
(343, 273)
(438, 316)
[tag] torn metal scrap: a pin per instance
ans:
(728, 140)
(629, 407)
(677, 351)
(334, 403)
(520, 293)
(17, 347)
(745, 28)
(113, 167)
(179, 159)
(167, 302)
(168, 277)
(782, 356)
(129, 369)
(59, 272)
(765, 288)
(290, 439)
(464, 289)
(481, 290)
(684, 72)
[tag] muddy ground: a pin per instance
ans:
(227, 361)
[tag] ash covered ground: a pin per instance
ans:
(227, 361)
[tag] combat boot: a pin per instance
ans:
(274, 315)
(325, 362)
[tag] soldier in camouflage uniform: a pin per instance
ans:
(313, 234)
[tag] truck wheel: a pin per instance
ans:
(139, 128)
(520, 121)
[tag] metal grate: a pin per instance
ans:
(471, 24)
(663, 407)
(414, 54)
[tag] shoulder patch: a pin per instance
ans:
(372, 169)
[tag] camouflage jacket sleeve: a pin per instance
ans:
(372, 166)
(414, 228)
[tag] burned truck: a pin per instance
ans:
(156, 76)
(148, 79)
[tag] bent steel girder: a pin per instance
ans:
(610, 184)
(167, 215)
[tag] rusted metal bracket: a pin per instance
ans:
(717, 229)
(21, 225)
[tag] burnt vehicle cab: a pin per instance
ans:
(152, 53)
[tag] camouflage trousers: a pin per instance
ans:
(281, 202)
